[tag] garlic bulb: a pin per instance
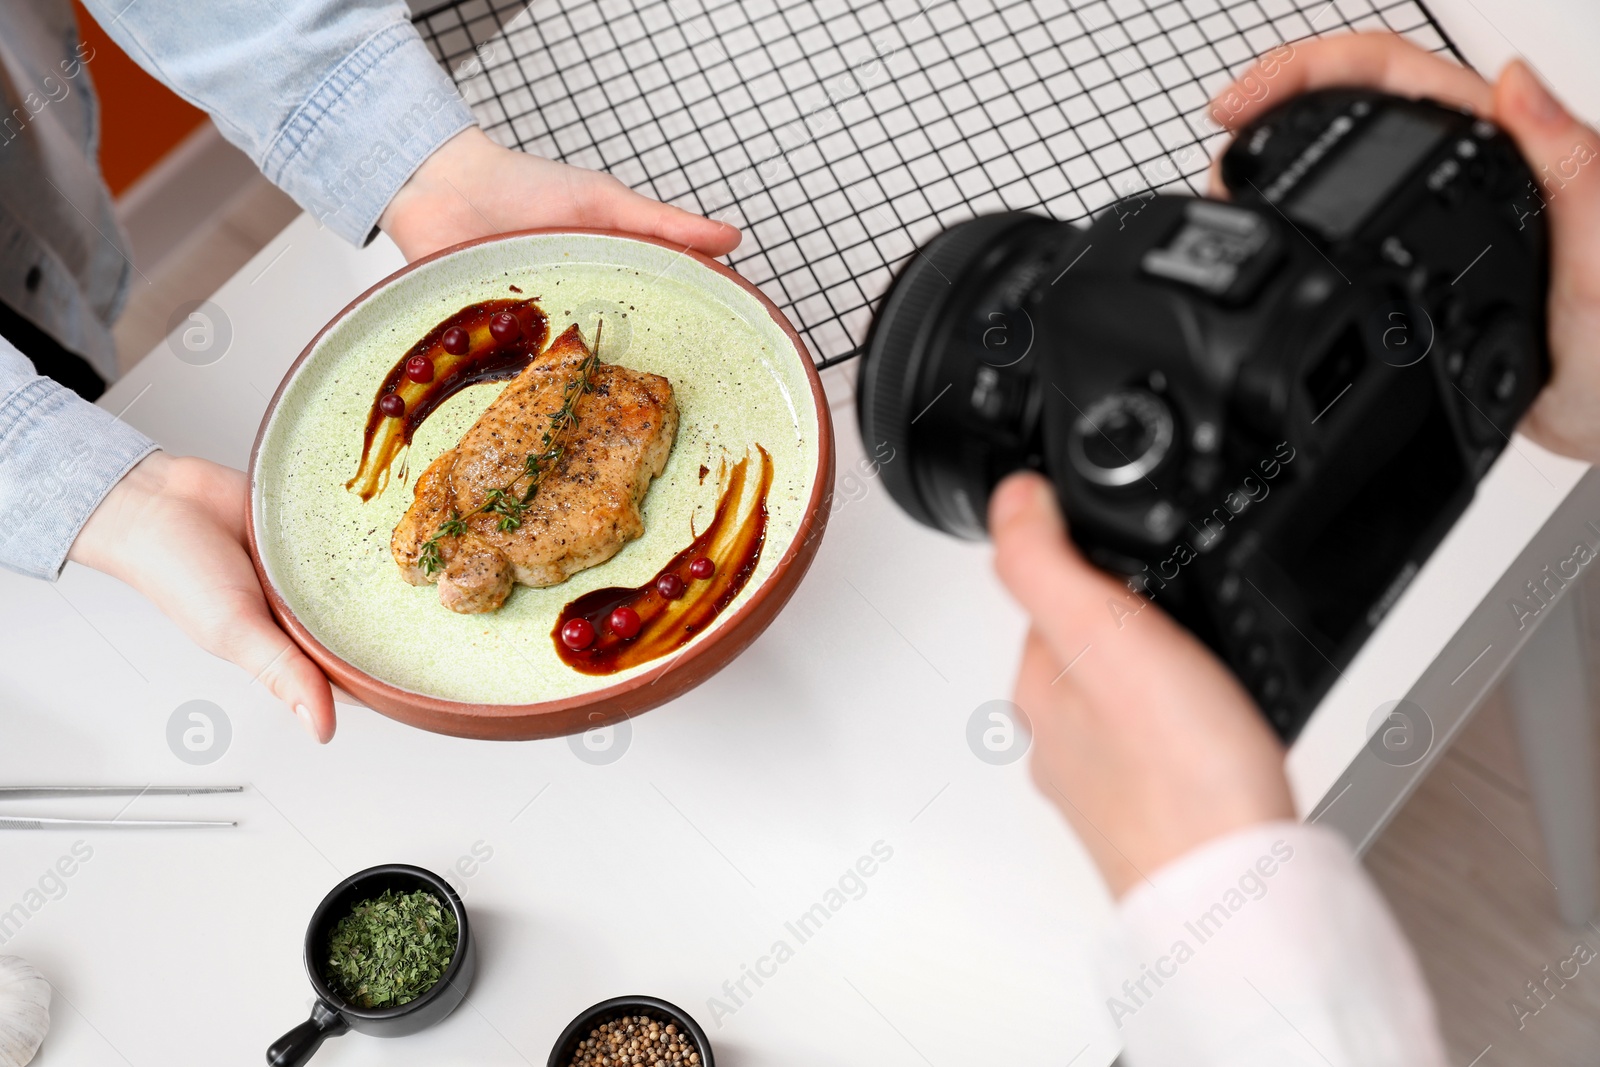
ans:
(24, 1010)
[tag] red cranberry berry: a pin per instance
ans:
(625, 622)
(670, 586)
(504, 327)
(419, 369)
(702, 568)
(392, 406)
(577, 634)
(456, 341)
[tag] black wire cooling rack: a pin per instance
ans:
(842, 134)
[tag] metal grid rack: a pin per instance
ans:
(842, 134)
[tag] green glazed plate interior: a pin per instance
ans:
(739, 379)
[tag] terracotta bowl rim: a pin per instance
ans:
(707, 652)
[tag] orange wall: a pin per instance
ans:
(140, 119)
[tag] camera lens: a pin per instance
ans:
(947, 383)
(1121, 438)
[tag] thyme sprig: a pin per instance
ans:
(505, 501)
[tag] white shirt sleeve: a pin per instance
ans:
(1269, 947)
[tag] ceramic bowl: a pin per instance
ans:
(661, 1011)
(742, 377)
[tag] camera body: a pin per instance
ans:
(1265, 413)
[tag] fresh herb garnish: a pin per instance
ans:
(390, 949)
(505, 501)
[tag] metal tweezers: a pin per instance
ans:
(29, 792)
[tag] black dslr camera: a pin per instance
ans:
(1264, 412)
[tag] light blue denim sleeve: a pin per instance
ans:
(337, 101)
(59, 456)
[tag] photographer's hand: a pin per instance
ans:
(1564, 155)
(472, 187)
(1142, 738)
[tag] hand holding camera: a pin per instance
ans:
(1559, 150)
(1170, 707)
(1146, 743)
(1235, 399)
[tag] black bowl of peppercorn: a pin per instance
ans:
(615, 1031)
(389, 952)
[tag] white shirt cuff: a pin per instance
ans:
(1268, 947)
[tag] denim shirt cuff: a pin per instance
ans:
(59, 457)
(371, 123)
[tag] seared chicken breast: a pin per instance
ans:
(587, 505)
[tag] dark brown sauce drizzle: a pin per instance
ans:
(734, 544)
(485, 360)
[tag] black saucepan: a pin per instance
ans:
(332, 1015)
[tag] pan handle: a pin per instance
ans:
(299, 1044)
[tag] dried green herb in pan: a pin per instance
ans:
(390, 949)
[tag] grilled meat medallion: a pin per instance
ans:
(585, 509)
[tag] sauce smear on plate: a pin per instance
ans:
(467, 348)
(732, 543)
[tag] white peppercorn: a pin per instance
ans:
(635, 1041)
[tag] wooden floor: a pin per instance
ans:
(1480, 913)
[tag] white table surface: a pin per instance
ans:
(734, 810)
